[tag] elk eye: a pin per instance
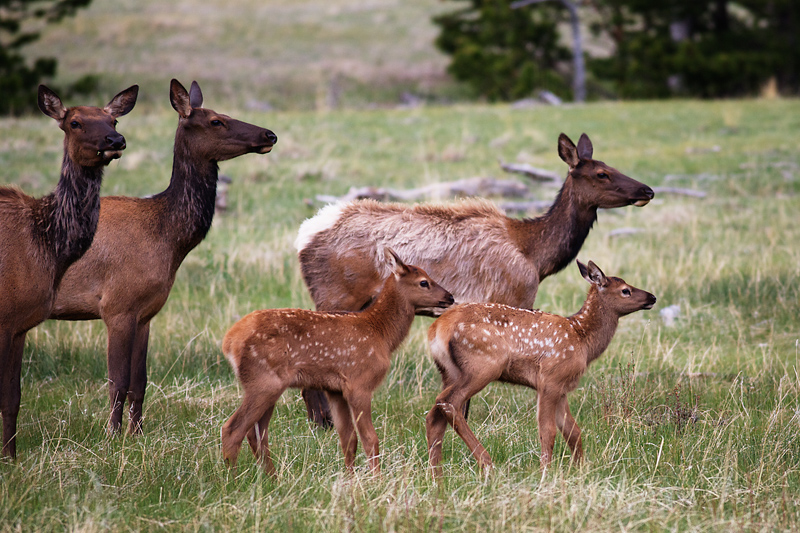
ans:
(626, 291)
(74, 124)
(602, 176)
(424, 284)
(216, 122)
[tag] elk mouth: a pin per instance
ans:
(641, 203)
(267, 148)
(109, 155)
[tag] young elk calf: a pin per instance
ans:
(476, 344)
(345, 354)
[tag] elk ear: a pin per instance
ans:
(123, 102)
(195, 95)
(179, 99)
(567, 151)
(50, 104)
(593, 274)
(585, 149)
(398, 267)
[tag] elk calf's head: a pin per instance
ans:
(601, 185)
(419, 289)
(91, 139)
(215, 136)
(618, 297)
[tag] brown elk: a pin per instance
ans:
(476, 251)
(475, 344)
(345, 354)
(126, 276)
(41, 237)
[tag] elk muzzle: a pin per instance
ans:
(645, 194)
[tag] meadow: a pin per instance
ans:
(692, 425)
(689, 426)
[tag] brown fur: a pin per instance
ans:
(476, 251)
(476, 344)
(40, 238)
(345, 354)
(126, 276)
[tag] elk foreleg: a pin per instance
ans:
(546, 405)
(138, 382)
(343, 422)
(121, 337)
(11, 348)
(361, 411)
(569, 429)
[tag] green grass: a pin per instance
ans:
(690, 427)
(288, 55)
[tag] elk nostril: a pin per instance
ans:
(271, 137)
(647, 191)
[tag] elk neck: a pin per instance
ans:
(594, 324)
(391, 315)
(66, 219)
(189, 199)
(553, 240)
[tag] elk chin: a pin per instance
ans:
(264, 149)
(641, 203)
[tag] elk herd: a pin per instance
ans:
(370, 268)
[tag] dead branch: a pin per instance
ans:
(677, 190)
(462, 188)
(536, 174)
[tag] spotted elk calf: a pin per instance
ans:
(345, 354)
(471, 247)
(41, 237)
(476, 344)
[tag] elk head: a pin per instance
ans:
(91, 139)
(216, 137)
(615, 293)
(596, 183)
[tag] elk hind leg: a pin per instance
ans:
(258, 438)
(254, 407)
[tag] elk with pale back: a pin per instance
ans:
(41, 237)
(475, 250)
(345, 354)
(126, 276)
(475, 344)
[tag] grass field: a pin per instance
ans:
(692, 426)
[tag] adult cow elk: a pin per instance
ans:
(126, 276)
(41, 237)
(475, 344)
(476, 251)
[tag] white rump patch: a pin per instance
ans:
(324, 219)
